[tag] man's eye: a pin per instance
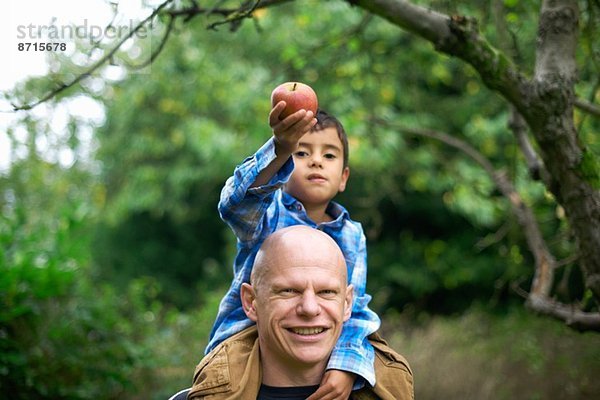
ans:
(328, 292)
(289, 291)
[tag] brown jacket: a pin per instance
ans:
(232, 372)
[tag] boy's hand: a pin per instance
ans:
(335, 385)
(288, 131)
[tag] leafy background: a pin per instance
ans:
(112, 263)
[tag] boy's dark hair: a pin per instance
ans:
(326, 120)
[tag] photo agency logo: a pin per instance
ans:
(94, 34)
(81, 42)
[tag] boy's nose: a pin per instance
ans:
(316, 160)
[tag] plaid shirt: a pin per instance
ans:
(253, 214)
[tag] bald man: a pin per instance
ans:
(299, 299)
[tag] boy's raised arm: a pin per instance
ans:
(247, 194)
(287, 134)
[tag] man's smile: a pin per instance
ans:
(308, 331)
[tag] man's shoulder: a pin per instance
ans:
(232, 367)
(394, 375)
(388, 355)
(393, 372)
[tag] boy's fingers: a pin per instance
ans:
(305, 123)
(321, 395)
(296, 117)
(301, 128)
(318, 395)
(291, 122)
(275, 113)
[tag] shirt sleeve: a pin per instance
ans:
(246, 211)
(242, 207)
(353, 352)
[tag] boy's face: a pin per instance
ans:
(319, 172)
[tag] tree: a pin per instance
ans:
(546, 101)
(542, 97)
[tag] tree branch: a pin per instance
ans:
(587, 107)
(545, 263)
(457, 36)
(518, 126)
(63, 86)
(236, 18)
(573, 317)
(159, 49)
(424, 22)
(195, 9)
(232, 15)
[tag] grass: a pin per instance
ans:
(479, 356)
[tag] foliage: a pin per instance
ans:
(63, 335)
(96, 252)
(167, 145)
(163, 175)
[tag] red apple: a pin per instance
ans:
(297, 96)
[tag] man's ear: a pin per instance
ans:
(248, 297)
(348, 302)
(344, 180)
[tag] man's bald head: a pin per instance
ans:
(299, 298)
(293, 245)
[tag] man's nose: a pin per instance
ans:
(309, 305)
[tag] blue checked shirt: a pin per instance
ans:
(255, 213)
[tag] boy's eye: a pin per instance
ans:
(330, 156)
(301, 153)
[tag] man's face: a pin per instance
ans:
(300, 306)
(319, 172)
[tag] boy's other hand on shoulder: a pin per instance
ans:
(287, 132)
(335, 385)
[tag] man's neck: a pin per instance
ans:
(275, 374)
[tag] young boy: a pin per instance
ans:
(292, 180)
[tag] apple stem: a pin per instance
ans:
(294, 87)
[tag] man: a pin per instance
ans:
(299, 298)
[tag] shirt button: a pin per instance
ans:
(298, 207)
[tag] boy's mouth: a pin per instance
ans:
(316, 178)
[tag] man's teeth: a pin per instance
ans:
(307, 331)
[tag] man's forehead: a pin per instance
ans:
(298, 246)
(315, 254)
(307, 267)
(329, 275)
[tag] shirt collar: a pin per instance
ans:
(335, 210)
